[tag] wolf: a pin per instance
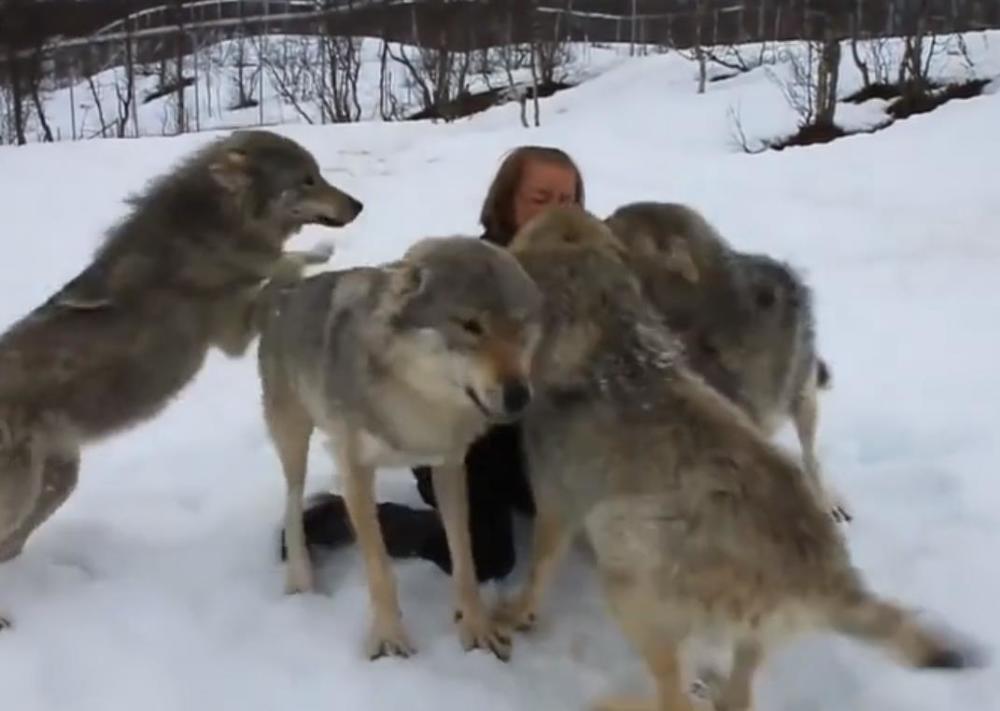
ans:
(180, 274)
(700, 526)
(401, 364)
(746, 321)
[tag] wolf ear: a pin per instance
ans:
(678, 259)
(231, 170)
(409, 281)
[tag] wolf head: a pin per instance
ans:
(467, 317)
(278, 181)
(568, 227)
(594, 305)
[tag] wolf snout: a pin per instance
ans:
(516, 396)
(338, 211)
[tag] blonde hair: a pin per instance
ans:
(497, 214)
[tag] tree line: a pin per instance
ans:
(435, 58)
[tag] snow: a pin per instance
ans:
(158, 586)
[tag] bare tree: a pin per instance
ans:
(181, 110)
(245, 80)
(388, 105)
(290, 68)
(552, 50)
(738, 134)
(125, 84)
(534, 88)
(814, 66)
(343, 57)
(437, 72)
(36, 80)
(739, 59)
(16, 109)
(95, 93)
(700, 55)
(873, 59)
(514, 57)
(920, 46)
(811, 89)
(549, 52)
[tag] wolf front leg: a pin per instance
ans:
(805, 412)
(476, 628)
(388, 636)
(551, 539)
(290, 428)
(25, 447)
(291, 266)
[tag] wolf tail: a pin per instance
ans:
(882, 623)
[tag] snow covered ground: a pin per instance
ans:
(158, 585)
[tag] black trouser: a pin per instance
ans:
(497, 486)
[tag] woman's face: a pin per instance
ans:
(543, 184)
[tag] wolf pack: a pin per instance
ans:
(648, 362)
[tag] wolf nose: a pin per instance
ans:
(356, 206)
(516, 396)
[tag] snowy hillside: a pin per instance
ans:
(158, 587)
(281, 79)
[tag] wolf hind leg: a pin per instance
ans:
(22, 473)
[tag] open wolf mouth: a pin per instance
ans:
(479, 403)
(494, 417)
(330, 221)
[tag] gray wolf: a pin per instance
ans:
(530, 178)
(178, 275)
(700, 526)
(746, 320)
(399, 365)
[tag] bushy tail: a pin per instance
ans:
(885, 624)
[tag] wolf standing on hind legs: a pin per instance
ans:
(746, 321)
(404, 364)
(178, 275)
(700, 526)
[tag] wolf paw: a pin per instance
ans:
(298, 579)
(838, 509)
(389, 639)
(482, 632)
(518, 614)
(841, 514)
(320, 253)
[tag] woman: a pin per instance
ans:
(530, 179)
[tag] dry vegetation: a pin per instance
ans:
(451, 65)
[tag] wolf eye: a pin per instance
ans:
(309, 181)
(471, 326)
